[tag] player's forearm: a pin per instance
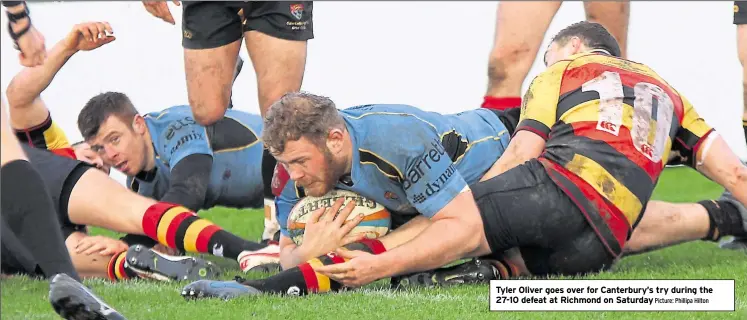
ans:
(719, 163)
(443, 242)
(738, 187)
(190, 178)
(28, 84)
(293, 256)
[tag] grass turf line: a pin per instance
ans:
(24, 298)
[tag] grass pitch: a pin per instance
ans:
(24, 298)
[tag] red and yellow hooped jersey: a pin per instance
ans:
(48, 136)
(610, 125)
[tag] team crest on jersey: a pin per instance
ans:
(390, 195)
(297, 10)
(280, 178)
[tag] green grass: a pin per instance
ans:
(23, 298)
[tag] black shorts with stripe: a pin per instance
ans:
(523, 208)
(740, 12)
(60, 174)
(212, 24)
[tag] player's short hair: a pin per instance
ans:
(593, 35)
(297, 115)
(100, 107)
(78, 143)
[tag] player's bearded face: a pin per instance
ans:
(311, 166)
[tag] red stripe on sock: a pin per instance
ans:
(335, 258)
(204, 237)
(110, 268)
(152, 217)
(309, 276)
(501, 103)
(174, 226)
(375, 245)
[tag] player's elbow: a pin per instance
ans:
(14, 94)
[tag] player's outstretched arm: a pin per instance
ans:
(455, 232)
(719, 163)
(26, 106)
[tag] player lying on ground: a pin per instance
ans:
(519, 30)
(368, 154)
(542, 203)
(167, 156)
(31, 239)
(31, 119)
(94, 199)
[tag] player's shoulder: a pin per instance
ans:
(173, 118)
(250, 120)
(390, 129)
(381, 112)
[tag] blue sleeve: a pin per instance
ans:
(188, 140)
(431, 179)
(283, 205)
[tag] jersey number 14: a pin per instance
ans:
(652, 112)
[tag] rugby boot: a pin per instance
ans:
(217, 289)
(73, 301)
(266, 259)
(740, 241)
(151, 264)
(473, 271)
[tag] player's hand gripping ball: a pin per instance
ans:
(376, 221)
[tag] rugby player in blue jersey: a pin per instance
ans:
(169, 157)
(415, 166)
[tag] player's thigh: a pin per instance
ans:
(276, 39)
(59, 174)
(97, 200)
(524, 208)
(211, 38)
(614, 16)
(520, 28)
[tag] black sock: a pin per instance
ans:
(725, 219)
(133, 239)
(28, 210)
(303, 279)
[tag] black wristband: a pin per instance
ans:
(8, 4)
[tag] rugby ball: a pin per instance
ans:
(376, 222)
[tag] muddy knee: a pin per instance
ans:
(510, 62)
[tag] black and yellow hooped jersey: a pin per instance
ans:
(609, 124)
